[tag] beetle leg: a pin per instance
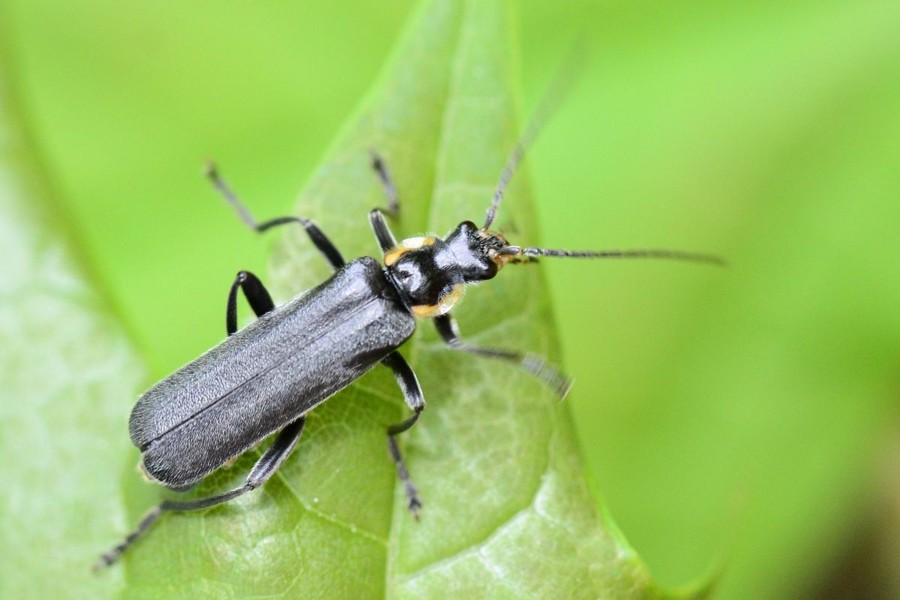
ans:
(390, 190)
(319, 239)
(264, 468)
(382, 232)
(255, 293)
(412, 393)
(376, 216)
(537, 366)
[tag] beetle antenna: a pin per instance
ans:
(694, 257)
(553, 97)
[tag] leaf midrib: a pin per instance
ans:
(417, 345)
(399, 496)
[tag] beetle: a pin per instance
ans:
(265, 378)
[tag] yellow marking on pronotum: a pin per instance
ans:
(429, 311)
(413, 243)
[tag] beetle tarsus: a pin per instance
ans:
(110, 557)
(414, 503)
(387, 183)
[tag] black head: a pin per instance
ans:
(478, 252)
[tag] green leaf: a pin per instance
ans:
(507, 512)
(68, 373)
(749, 410)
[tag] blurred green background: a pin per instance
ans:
(743, 419)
